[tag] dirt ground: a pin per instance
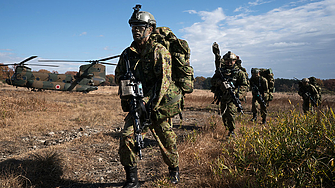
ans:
(87, 150)
(77, 136)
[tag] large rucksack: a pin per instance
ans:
(312, 81)
(268, 74)
(182, 71)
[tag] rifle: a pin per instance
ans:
(133, 92)
(258, 94)
(307, 94)
(229, 86)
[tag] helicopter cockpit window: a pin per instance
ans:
(37, 78)
(24, 78)
(64, 81)
(50, 80)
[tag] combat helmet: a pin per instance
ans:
(254, 70)
(312, 80)
(142, 18)
(305, 80)
(229, 56)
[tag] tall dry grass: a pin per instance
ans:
(207, 157)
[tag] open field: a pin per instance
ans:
(69, 139)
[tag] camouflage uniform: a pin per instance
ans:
(262, 85)
(153, 68)
(304, 90)
(239, 79)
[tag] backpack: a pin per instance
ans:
(312, 81)
(182, 71)
(268, 75)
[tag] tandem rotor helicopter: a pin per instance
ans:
(87, 79)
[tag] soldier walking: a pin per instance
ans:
(308, 93)
(260, 94)
(150, 63)
(231, 84)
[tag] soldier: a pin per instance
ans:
(308, 93)
(151, 64)
(228, 71)
(260, 93)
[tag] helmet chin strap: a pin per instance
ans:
(143, 35)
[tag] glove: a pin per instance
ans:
(215, 49)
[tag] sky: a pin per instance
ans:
(295, 38)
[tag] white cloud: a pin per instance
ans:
(83, 33)
(274, 39)
(258, 2)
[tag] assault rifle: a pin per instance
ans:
(255, 91)
(308, 95)
(229, 86)
(133, 92)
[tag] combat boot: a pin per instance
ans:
(231, 133)
(264, 121)
(131, 177)
(254, 117)
(174, 175)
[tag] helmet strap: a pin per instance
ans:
(146, 27)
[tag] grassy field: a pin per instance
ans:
(65, 139)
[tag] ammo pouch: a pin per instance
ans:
(169, 109)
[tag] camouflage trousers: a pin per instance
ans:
(306, 105)
(264, 111)
(164, 135)
(228, 111)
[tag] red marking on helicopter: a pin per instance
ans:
(57, 86)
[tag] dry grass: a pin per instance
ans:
(65, 139)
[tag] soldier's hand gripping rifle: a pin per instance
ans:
(133, 92)
(229, 86)
(258, 94)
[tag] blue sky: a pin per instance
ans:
(296, 38)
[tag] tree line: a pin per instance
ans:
(200, 82)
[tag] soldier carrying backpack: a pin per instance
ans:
(229, 84)
(262, 87)
(153, 74)
(260, 94)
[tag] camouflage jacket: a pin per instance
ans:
(262, 85)
(153, 68)
(235, 75)
(307, 89)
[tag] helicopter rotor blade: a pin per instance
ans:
(28, 59)
(90, 61)
(107, 63)
(47, 60)
(108, 58)
(8, 64)
(44, 65)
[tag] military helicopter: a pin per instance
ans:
(87, 79)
